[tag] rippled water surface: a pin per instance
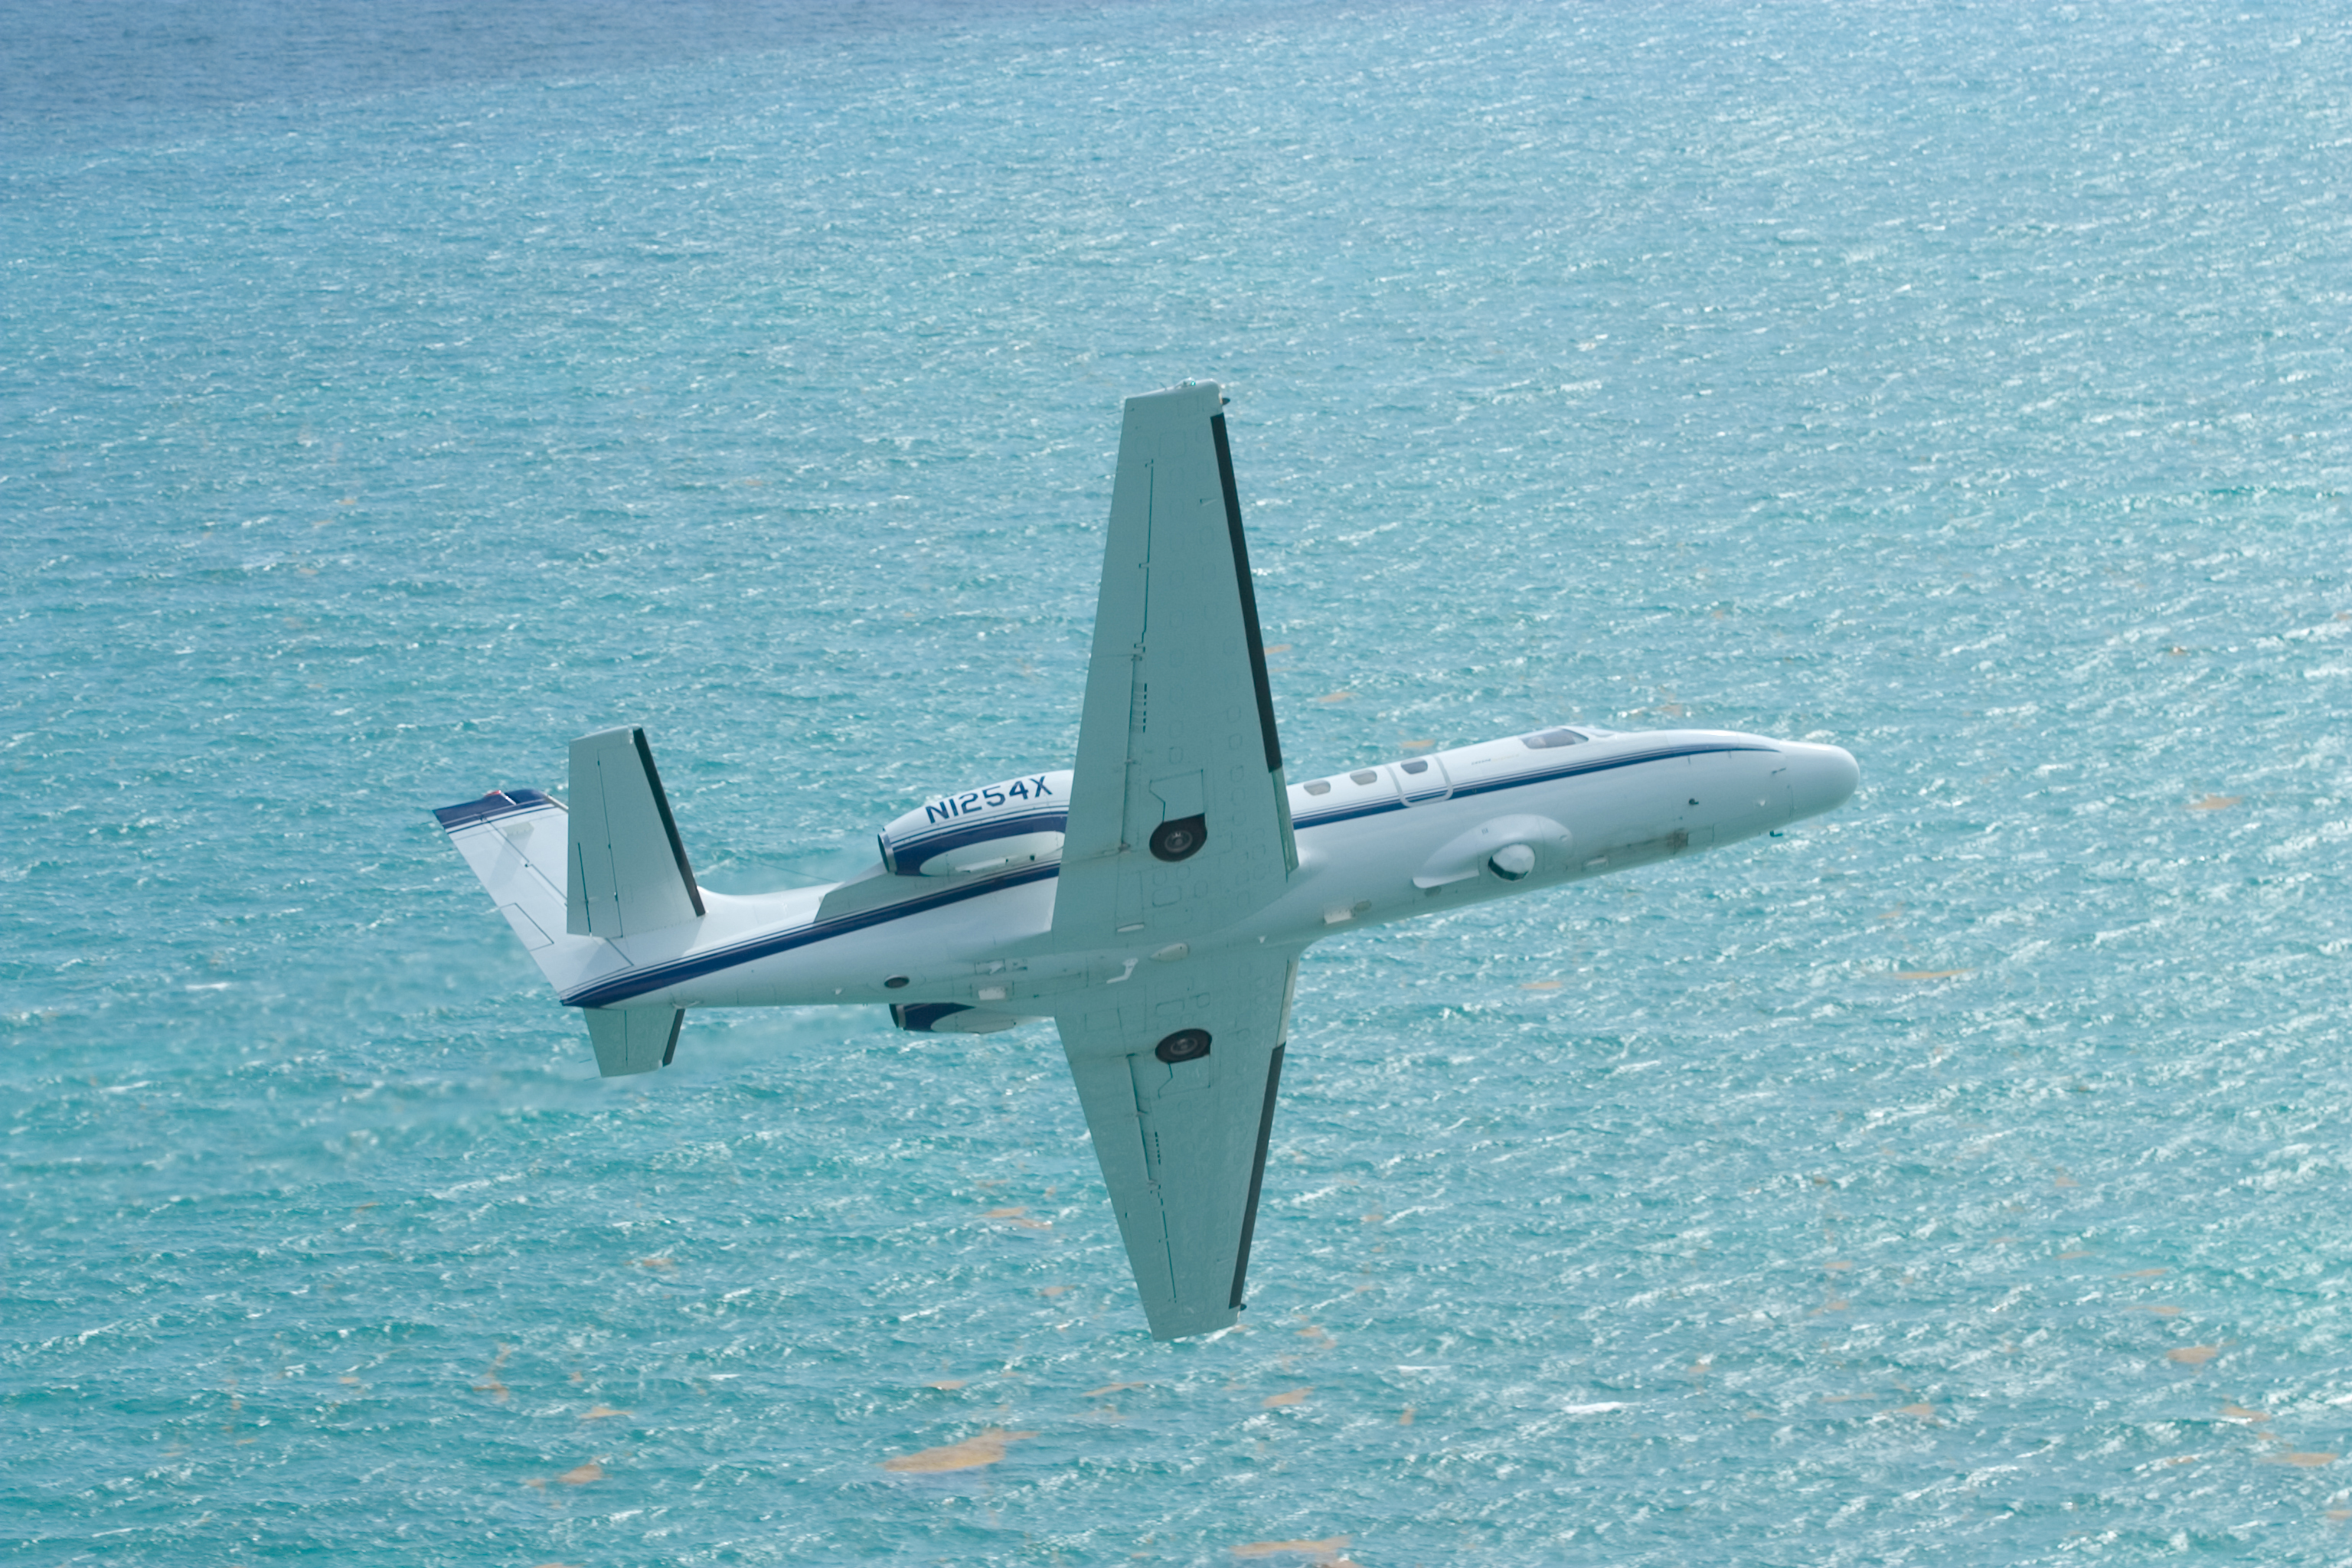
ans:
(1959, 1178)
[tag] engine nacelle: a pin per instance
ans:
(1010, 822)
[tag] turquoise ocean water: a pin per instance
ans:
(385, 400)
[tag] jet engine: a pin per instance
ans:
(1010, 823)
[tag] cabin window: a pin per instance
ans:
(1415, 767)
(1545, 740)
(1320, 786)
(1367, 777)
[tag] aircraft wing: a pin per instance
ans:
(1182, 1142)
(1180, 821)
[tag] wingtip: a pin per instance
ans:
(1210, 390)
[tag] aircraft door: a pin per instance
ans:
(1422, 780)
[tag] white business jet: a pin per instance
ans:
(1153, 902)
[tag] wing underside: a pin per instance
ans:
(1179, 827)
(1179, 823)
(1182, 1142)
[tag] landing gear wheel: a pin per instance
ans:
(1183, 1045)
(1179, 839)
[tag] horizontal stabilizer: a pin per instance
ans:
(628, 870)
(632, 1039)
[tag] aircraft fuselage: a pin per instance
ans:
(1416, 836)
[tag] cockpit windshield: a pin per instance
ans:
(1546, 740)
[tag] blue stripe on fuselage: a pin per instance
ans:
(694, 966)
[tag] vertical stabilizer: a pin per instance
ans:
(628, 870)
(513, 839)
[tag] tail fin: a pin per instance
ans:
(628, 866)
(569, 881)
(514, 840)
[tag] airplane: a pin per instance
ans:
(1152, 900)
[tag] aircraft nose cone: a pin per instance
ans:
(1821, 778)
